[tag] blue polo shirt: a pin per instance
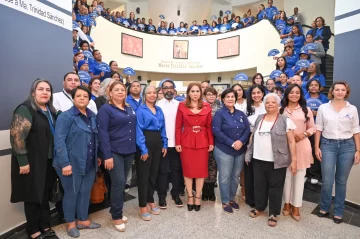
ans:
(291, 60)
(298, 42)
(117, 130)
(269, 12)
(147, 120)
(133, 103)
(229, 127)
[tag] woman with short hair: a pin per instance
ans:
(337, 124)
(77, 166)
(32, 175)
(231, 131)
(272, 150)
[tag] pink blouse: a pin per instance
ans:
(303, 147)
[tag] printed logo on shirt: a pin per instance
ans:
(222, 29)
(314, 104)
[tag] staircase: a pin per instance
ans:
(329, 75)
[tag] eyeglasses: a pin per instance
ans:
(264, 133)
(168, 88)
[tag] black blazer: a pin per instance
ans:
(326, 35)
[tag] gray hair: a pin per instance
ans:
(272, 95)
(146, 89)
(31, 97)
(104, 86)
(289, 40)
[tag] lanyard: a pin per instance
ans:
(67, 96)
(50, 119)
(277, 116)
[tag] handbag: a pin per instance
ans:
(57, 192)
(99, 189)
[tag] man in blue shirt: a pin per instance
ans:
(270, 9)
(83, 16)
(150, 27)
(96, 67)
(134, 99)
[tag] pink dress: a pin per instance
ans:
(303, 147)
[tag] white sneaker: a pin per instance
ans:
(120, 227)
(314, 181)
(124, 219)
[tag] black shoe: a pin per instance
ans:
(205, 198)
(177, 201)
(212, 198)
(190, 206)
(197, 207)
(320, 214)
(41, 236)
(60, 216)
(162, 203)
(182, 193)
(337, 220)
(50, 233)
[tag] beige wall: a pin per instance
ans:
(202, 50)
(241, 10)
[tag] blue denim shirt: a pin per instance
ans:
(71, 140)
(229, 127)
(147, 120)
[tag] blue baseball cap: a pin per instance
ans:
(290, 18)
(81, 63)
(305, 52)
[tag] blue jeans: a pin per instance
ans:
(77, 189)
(122, 166)
(229, 167)
(337, 160)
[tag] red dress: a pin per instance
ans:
(194, 134)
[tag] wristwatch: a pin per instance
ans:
(305, 135)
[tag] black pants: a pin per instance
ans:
(323, 65)
(315, 169)
(249, 184)
(176, 174)
(38, 214)
(147, 171)
(269, 184)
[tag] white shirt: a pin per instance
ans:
(334, 125)
(258, 111)
(169, 109)
(62, 101)
(262, 143)
(242, 106)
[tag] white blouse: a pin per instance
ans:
(262, 143)
(337, 125)
(242, 106)
(258, 111)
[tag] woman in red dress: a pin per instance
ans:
(194, 141)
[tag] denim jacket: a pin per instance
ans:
(71, 140)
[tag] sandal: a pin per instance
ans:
(254, 213)
(272, 222)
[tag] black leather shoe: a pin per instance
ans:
(337, 220)
(41, 236)
(162, 203)
(177, 201)
(50, 233)
(320, 214)
(205, 198)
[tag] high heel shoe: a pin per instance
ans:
(297, 211)
(286, 209)
(197, 207)
(190, 206)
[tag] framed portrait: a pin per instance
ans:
(180, 49)
(228, 47)
(131, 45)
(220, 87)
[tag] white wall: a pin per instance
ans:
(311, 9)
(144, 9)
(202, 50)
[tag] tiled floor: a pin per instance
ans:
(212, 222)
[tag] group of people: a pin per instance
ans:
(68, 136)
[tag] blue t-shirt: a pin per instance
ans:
(314, 103)
(291, 60)
(119, 20)
(278, 83)
(172, 31)
(162, 30)
(84, 19)
(225, 27)
(204, 29)
(261, 15)
(96, 69)
(319, 77)
(141, 26)
(280, 24)
(195, 29)
(215, 29)
(126, 22)
(182, 29)
(269, 12)
(247, 20)
(298, 42)
(310, 32)
(151, 28)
